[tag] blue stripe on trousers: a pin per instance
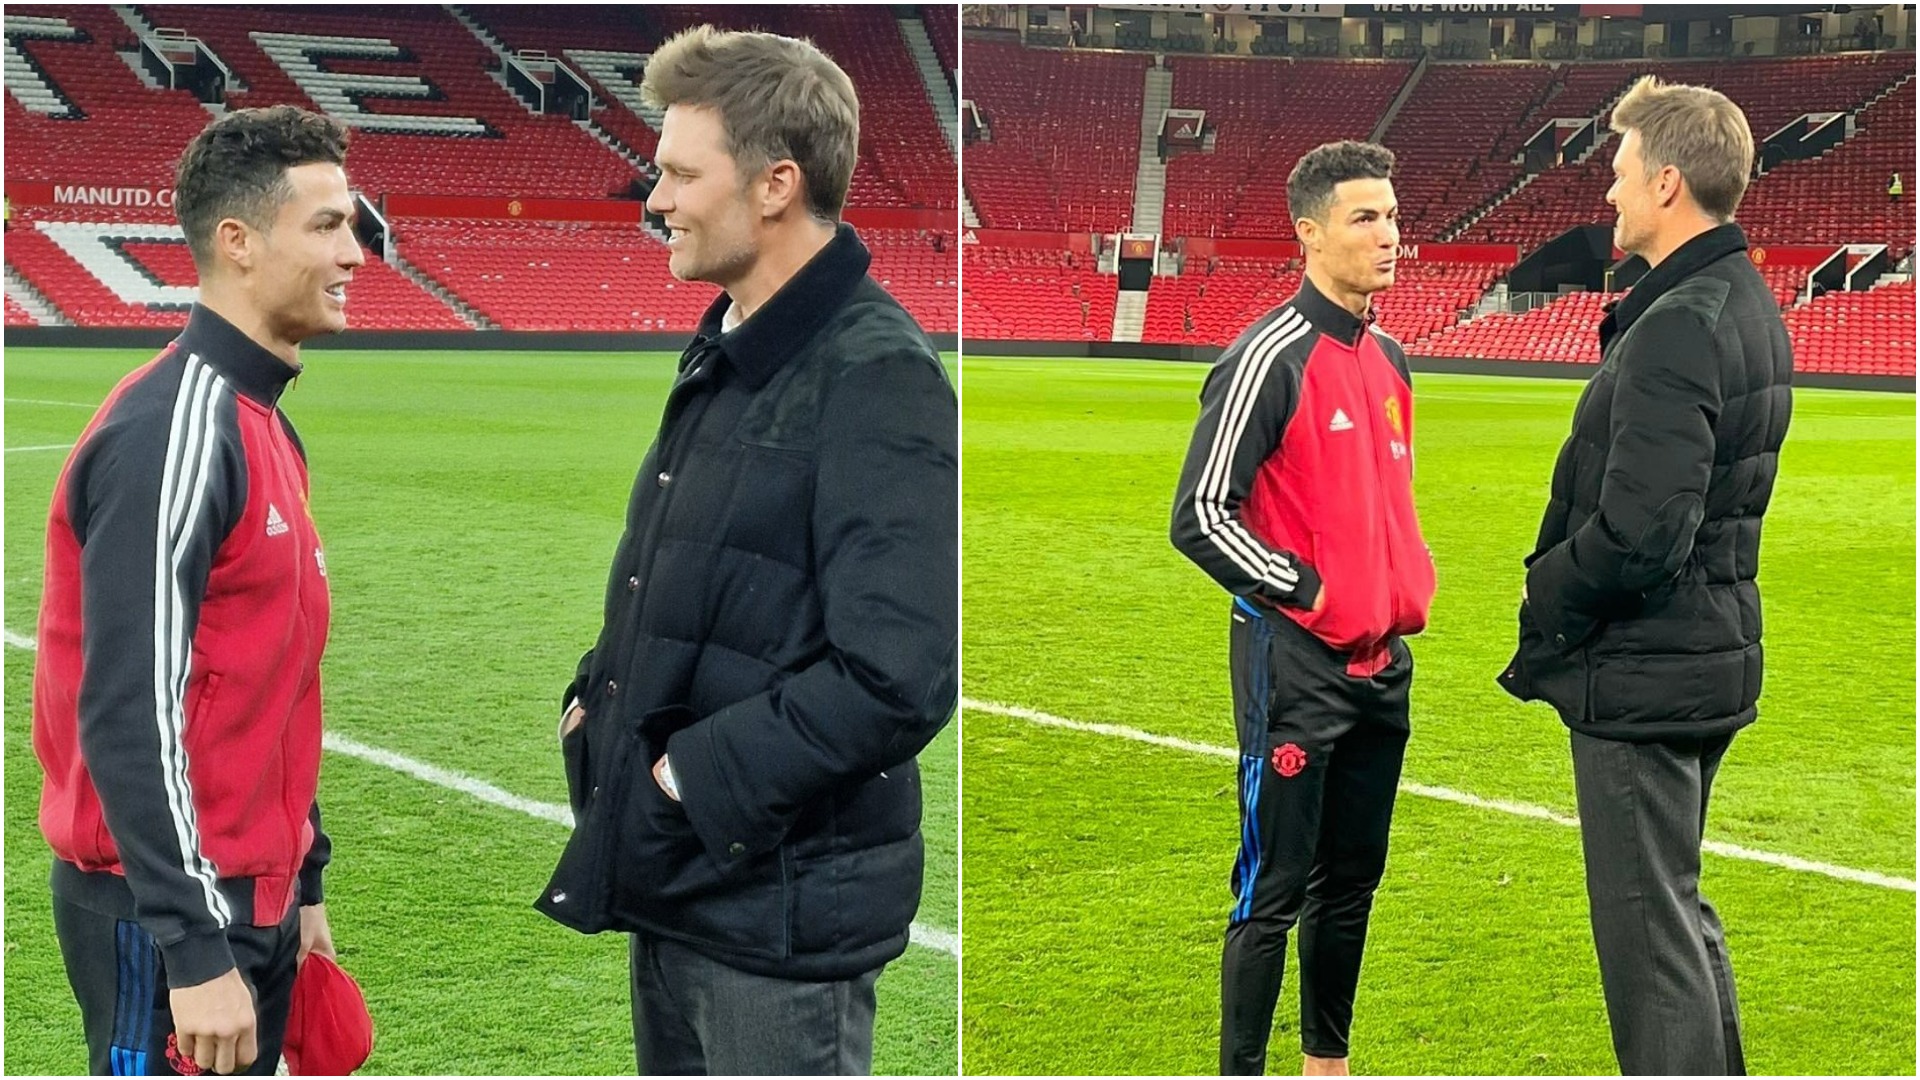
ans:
(1245, 910)
(136, 965)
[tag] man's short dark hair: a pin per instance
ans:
(1310, 185)
(237, 168)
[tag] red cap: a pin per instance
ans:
(329, 1031)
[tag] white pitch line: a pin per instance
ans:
(1527, 810)
(40, 401)
(49, 446)
(925, 936)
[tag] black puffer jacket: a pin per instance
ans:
(782, 622)
(1643, 618)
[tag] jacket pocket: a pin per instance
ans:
(1668, 688)
(1541, 672)
(1356, 607)
(580, 889)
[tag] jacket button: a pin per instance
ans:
(665, 478)
(736, 848)
(559, 896)
(633, 584)
(595, 793)
(612, 688)
(1559, 639)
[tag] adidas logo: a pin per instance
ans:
(1340, 421)
(275, 523)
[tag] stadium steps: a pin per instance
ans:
(1852, 127)
(605, 69)
(932, 76)
(1150, 178)
(22, 292)
(25, 79)
(497, 47)
(142, 27)
(440, 292)
(1129, 315)
(968, 215)
(1603, 138)
(1473, 218)
(1400, 100)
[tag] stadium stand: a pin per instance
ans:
(1447, 139)
(1563, 331)
(1843, 194)
(1427, 297)
(132, 272)
(19, 316)
(597, 48)
(120, 133)
(1217, 305)
(1066, 130)
(1856, 333)
(1772, 91)
(483, 141)
(945, 35)
(1036, 295)
(595, 276)
(1234, 190)
(82, 117)
(1459, 138)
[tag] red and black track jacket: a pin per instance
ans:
(1300, 478)
(176, 698)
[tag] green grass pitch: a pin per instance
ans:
(1096, 868)
(470, 503)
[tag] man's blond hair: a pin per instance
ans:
(778, 97)
(1697, 131)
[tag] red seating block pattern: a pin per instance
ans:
(1066, 136)
(1565, 331)
(18, 316)
(378, 298)
(1856, 333)
(1034, 295)
(130, 135)
(1795, 203)
(1446, 136)
(1425, 299)
(536, 155)
(595, 276)
(1267, 113)
(1842, 195)
(556, 28)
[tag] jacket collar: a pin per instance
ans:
(1328, 317)
(1687, 260)
(244, 363)
(795, 314)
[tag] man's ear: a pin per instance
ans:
(1668, 185)
(785, 188)
(1307, 230)
(234, 241)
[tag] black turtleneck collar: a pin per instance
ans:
(1687, 260)
(789, 319)
(1328, 317)
(244, 362)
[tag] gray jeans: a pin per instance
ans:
(1663, 956)
(693, 1015)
